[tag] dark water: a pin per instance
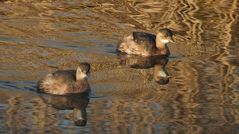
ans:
(202, 96)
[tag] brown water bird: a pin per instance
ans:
(146, 44)
(64, 82)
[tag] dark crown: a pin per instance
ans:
(166, 32)
(85, 67)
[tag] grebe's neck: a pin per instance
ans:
(162, 49)
(81, 76)
(161, 43)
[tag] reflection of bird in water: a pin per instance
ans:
(64, 82)
(160, 73)
(146, 44)
(75, 102)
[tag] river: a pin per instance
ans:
(40, 36)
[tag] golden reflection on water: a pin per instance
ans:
(37, 37)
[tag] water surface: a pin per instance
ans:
(38, 37)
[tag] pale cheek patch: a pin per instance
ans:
(165, 41)
(81, 76)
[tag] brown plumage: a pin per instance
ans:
(146, 44)
(64, 82)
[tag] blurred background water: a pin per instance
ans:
(40, 36)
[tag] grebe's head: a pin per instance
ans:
(82, 71)
(165, 35)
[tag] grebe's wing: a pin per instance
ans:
(65, 75)
(146, 40)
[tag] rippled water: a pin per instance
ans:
(202, 96)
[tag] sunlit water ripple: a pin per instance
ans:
(38, 37)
